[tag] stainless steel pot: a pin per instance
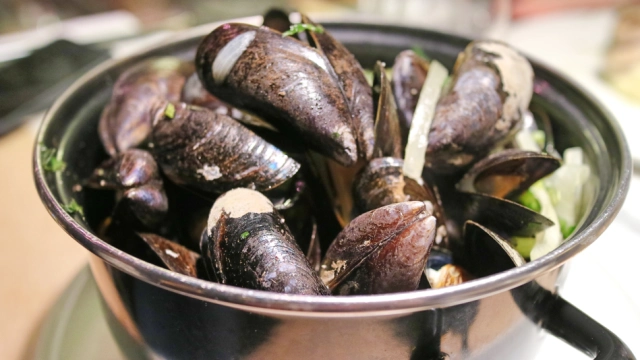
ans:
(158, 313)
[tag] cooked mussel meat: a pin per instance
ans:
(248, 244)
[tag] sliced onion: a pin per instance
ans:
(422, 119)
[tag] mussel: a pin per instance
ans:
(175, 256)
(135, 176)
(409, 73)
(492, 86)
(247, 243)
(213, 153)
(125, 122)
(279, 78)
(382, 251)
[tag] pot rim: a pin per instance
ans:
(319, 306)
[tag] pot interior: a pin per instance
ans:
(72, 125)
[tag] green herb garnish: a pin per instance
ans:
(529, 200)
(170, 111)
(73, 208)
(49, 160)
(244, 235)
(418, 50)
(298, 28)
(336, 135)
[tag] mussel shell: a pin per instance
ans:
(354, 84)
(485, 252)
(248, 244)
(282, 80)
(276, 19)
(381, 182)
(175, 256)
(508, 173)
(126, 120)
(492, 87)
(193, 93)
(214, 153)
(381, 251)
(139, 188)
(503, 216)
(409, 74)
(388, 139)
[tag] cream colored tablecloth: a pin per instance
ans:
(37, 258)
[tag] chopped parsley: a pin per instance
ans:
(73, 208)
(49, 160)
(170, 111)
(244, 235)
(298, 28)
(336, 135)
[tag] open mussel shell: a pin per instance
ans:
(485, 252)
(175, 256)
(353, 83)
(409, 74)
(286, 82)
(508, 173)
(491, 88)
(381, 251)
(213, 153)
(388, 139)
(503, 216)
(126, 120)
(248, 244)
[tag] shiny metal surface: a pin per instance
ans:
(179, 316)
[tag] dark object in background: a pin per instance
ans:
(32, 83)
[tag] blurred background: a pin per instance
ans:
(46, 44)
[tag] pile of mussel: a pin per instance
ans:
(271, 163)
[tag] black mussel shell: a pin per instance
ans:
(126, 120)
(353, 82)
(486, 252)
(139, 188)
(381, 251)
(213, 153)
(175, 256)
(248, 244)
(409, 73)
(504, 216)
(508, 173)
(492, 87)
(388, 139)
(282, 80)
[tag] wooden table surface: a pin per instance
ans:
(37, 259)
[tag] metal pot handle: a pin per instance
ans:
(568, 323)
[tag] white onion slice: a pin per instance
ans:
(422, 119)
